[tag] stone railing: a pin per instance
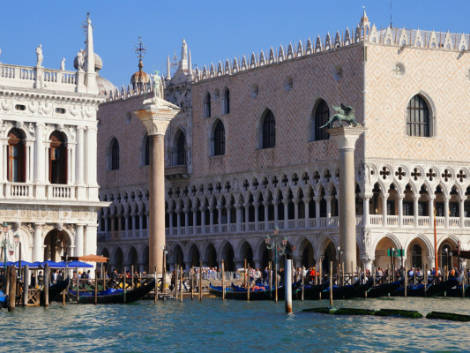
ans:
(38, 77)
(11, 191)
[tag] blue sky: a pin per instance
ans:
(215, 30)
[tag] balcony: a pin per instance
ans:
(32, 192)
(176, 172)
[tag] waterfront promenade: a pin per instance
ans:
(231, 326)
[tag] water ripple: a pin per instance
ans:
(216, 326)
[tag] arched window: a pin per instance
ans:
(226, 101)
(114, 157)
(418, 122)
(180, 149)
(207, 105)
(16, 156)
(268, 132)
(218, 139)
(58, 158)
(321, 115)
(146, 150)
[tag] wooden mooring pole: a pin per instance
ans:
(223, 279)
(47, 278)
(200, 281)
(331, 284)
(12, 288)
(155, 288)
(192, 283)
(181, 283)
(406, 282)
(27, 278)
(96, 286)
(321, 278)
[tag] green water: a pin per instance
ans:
(232, 326)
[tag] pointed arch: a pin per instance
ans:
(207, 105)
(267, 135)
(320, 116)
(419, 117)
(179, 148)
(218, 138)
(113, 155)
(226, 102)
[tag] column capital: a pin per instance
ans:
(156, 114)
(346, 136)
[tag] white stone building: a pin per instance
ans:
(48, 142)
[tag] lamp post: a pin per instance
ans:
(279, 246)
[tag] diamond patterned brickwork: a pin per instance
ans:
(442, 76)
(313, 78)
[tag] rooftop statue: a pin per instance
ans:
(344, 117)
(157, 85)
(39, 56)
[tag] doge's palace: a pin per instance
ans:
(48, 142)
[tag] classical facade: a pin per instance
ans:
(248, 154)
(49, 194)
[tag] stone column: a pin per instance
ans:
(462, 210)
(446, 210)
(156, 115)
(37, 242)
(170, 220)
(384, 208)
(306, 213)
(40, 162)
(266, 211)
(79, 240)
(345, 138)
(432, 197)
(195, 209)
(366, 210)
(317, 210)
(415, 208)
(400, 209)
(239, 217)
(256, 205)
(286, 213)
(80, 165)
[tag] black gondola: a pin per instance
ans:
(383, 290)
(240, 293)
(114, 296)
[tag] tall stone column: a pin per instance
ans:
(37, 242)
(79, 240)
(345, 138)
(156, 115)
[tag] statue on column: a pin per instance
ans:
(344, 116)
(157, 85)
(39, 56)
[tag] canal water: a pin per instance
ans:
(232, 326)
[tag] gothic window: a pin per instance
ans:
(218, 139)
(114, 161)
(418, 121)
(207, 105)
(320, 117)
(16, 156)
(268, 131)
(180, 149)
(226, 105)
(58, 158)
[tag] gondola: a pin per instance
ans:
(113, 296)
(438, 289)
(312, 291)
(383, 290)
(56, 289)
(258, 292)
(348, 291)
(413, 290)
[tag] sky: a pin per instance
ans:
(214, 29)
